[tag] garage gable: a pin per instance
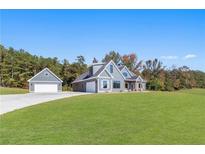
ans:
(45, 75)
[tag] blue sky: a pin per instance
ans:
(176, 37)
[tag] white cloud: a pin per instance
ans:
(169, 57)
(189, 56)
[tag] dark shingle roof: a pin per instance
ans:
(82, 76)
(86, 75)
(100, 70)
(121, 67)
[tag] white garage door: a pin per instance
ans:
(45, 87)
(90, 87)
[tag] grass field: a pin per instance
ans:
(6, 91)
(125, 118)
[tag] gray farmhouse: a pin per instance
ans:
(45, 81)
(108, 77)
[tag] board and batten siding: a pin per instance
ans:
(117, 76)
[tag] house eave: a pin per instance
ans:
(133, 80)
(84, 80)
(91, 78)
(47, 81)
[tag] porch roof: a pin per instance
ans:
(130, 79)
(134, 80)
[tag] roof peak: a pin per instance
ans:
(42, 71)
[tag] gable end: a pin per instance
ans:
(45, 76)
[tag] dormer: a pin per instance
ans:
(95, 67)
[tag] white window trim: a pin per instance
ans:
(102, 84)
(116, 81)
(110, 66)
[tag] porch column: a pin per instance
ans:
(137, 86)
(98, 84)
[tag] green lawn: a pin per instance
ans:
(125, 118)
(6, 91)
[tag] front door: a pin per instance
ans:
(132, 86)
(126, 85)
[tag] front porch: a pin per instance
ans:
(134, 85)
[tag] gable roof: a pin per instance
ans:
(48, 71)
(140, 78)
(131, 73)
(111, 61)
(121, 67)
(86, 76)
(100, 70)
(134, 77)
(106, 71)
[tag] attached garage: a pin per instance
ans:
(45, 82)
(91, 86)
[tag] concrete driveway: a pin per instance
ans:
(10, 103)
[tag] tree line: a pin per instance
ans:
(158, 76)
(17, 66)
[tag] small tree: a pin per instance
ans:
(112, 55)
(130, 60)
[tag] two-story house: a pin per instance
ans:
(108, 77)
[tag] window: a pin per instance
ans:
(139, 85)
(125, 74)
(104, 84)
(111, 68)
(116, 84)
